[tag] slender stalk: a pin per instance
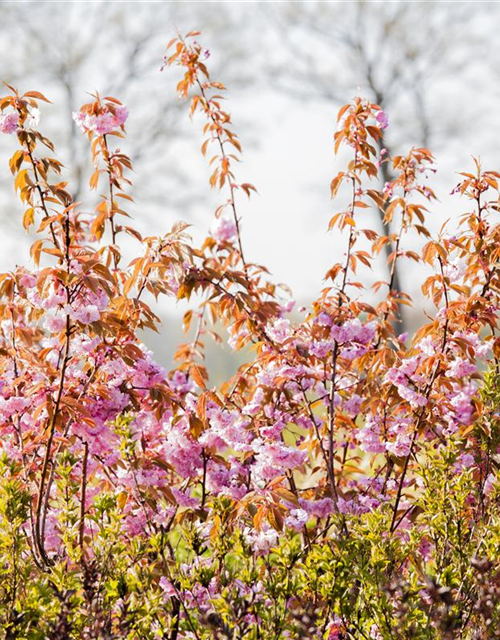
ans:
(41, 194)
(395, 522)
(42, 505)
(335, 354)
(83, 494)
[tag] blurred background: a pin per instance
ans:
(433, 66)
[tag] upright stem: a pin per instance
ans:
(83, 493)
(333, 379)
(395, 522)
(41, 194)
(40, 522)
(386, 226)
(42, 505)
(224, 157)
(107, 158)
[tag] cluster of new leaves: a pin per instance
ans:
(343, 484)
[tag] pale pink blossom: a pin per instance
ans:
(86, 314)
(28, 280)
(168, 588)
(280, 330)
(319, 508)
(460, 368)
(296, 519)
(455, 270)
(382, 119)
(223, 229)
(121, 114)
(105, 123)
(261, 541)
(55, 324)
(9, 122)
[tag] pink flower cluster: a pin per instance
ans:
(382, 119)
(263, 540)
(386, 434)
(280, 330)
(353, 337)
(103, 123)
(407, 381)
(223, 229)
(9, 122)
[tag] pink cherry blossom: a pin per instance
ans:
(319, 508)
(167, 587)
(121, 114)
(55, 324)
(455, 270)
(102, 123)
(460, 368)
(280, 330)
(223, 229)
(296, 519)
(105, 123)
(9, 122)
(382, 119)
(261, 541)
(86, 314)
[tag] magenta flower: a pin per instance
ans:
(382, 119)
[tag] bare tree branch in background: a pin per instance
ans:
(395, 53)
(60, 46)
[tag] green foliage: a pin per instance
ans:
(350, 579)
